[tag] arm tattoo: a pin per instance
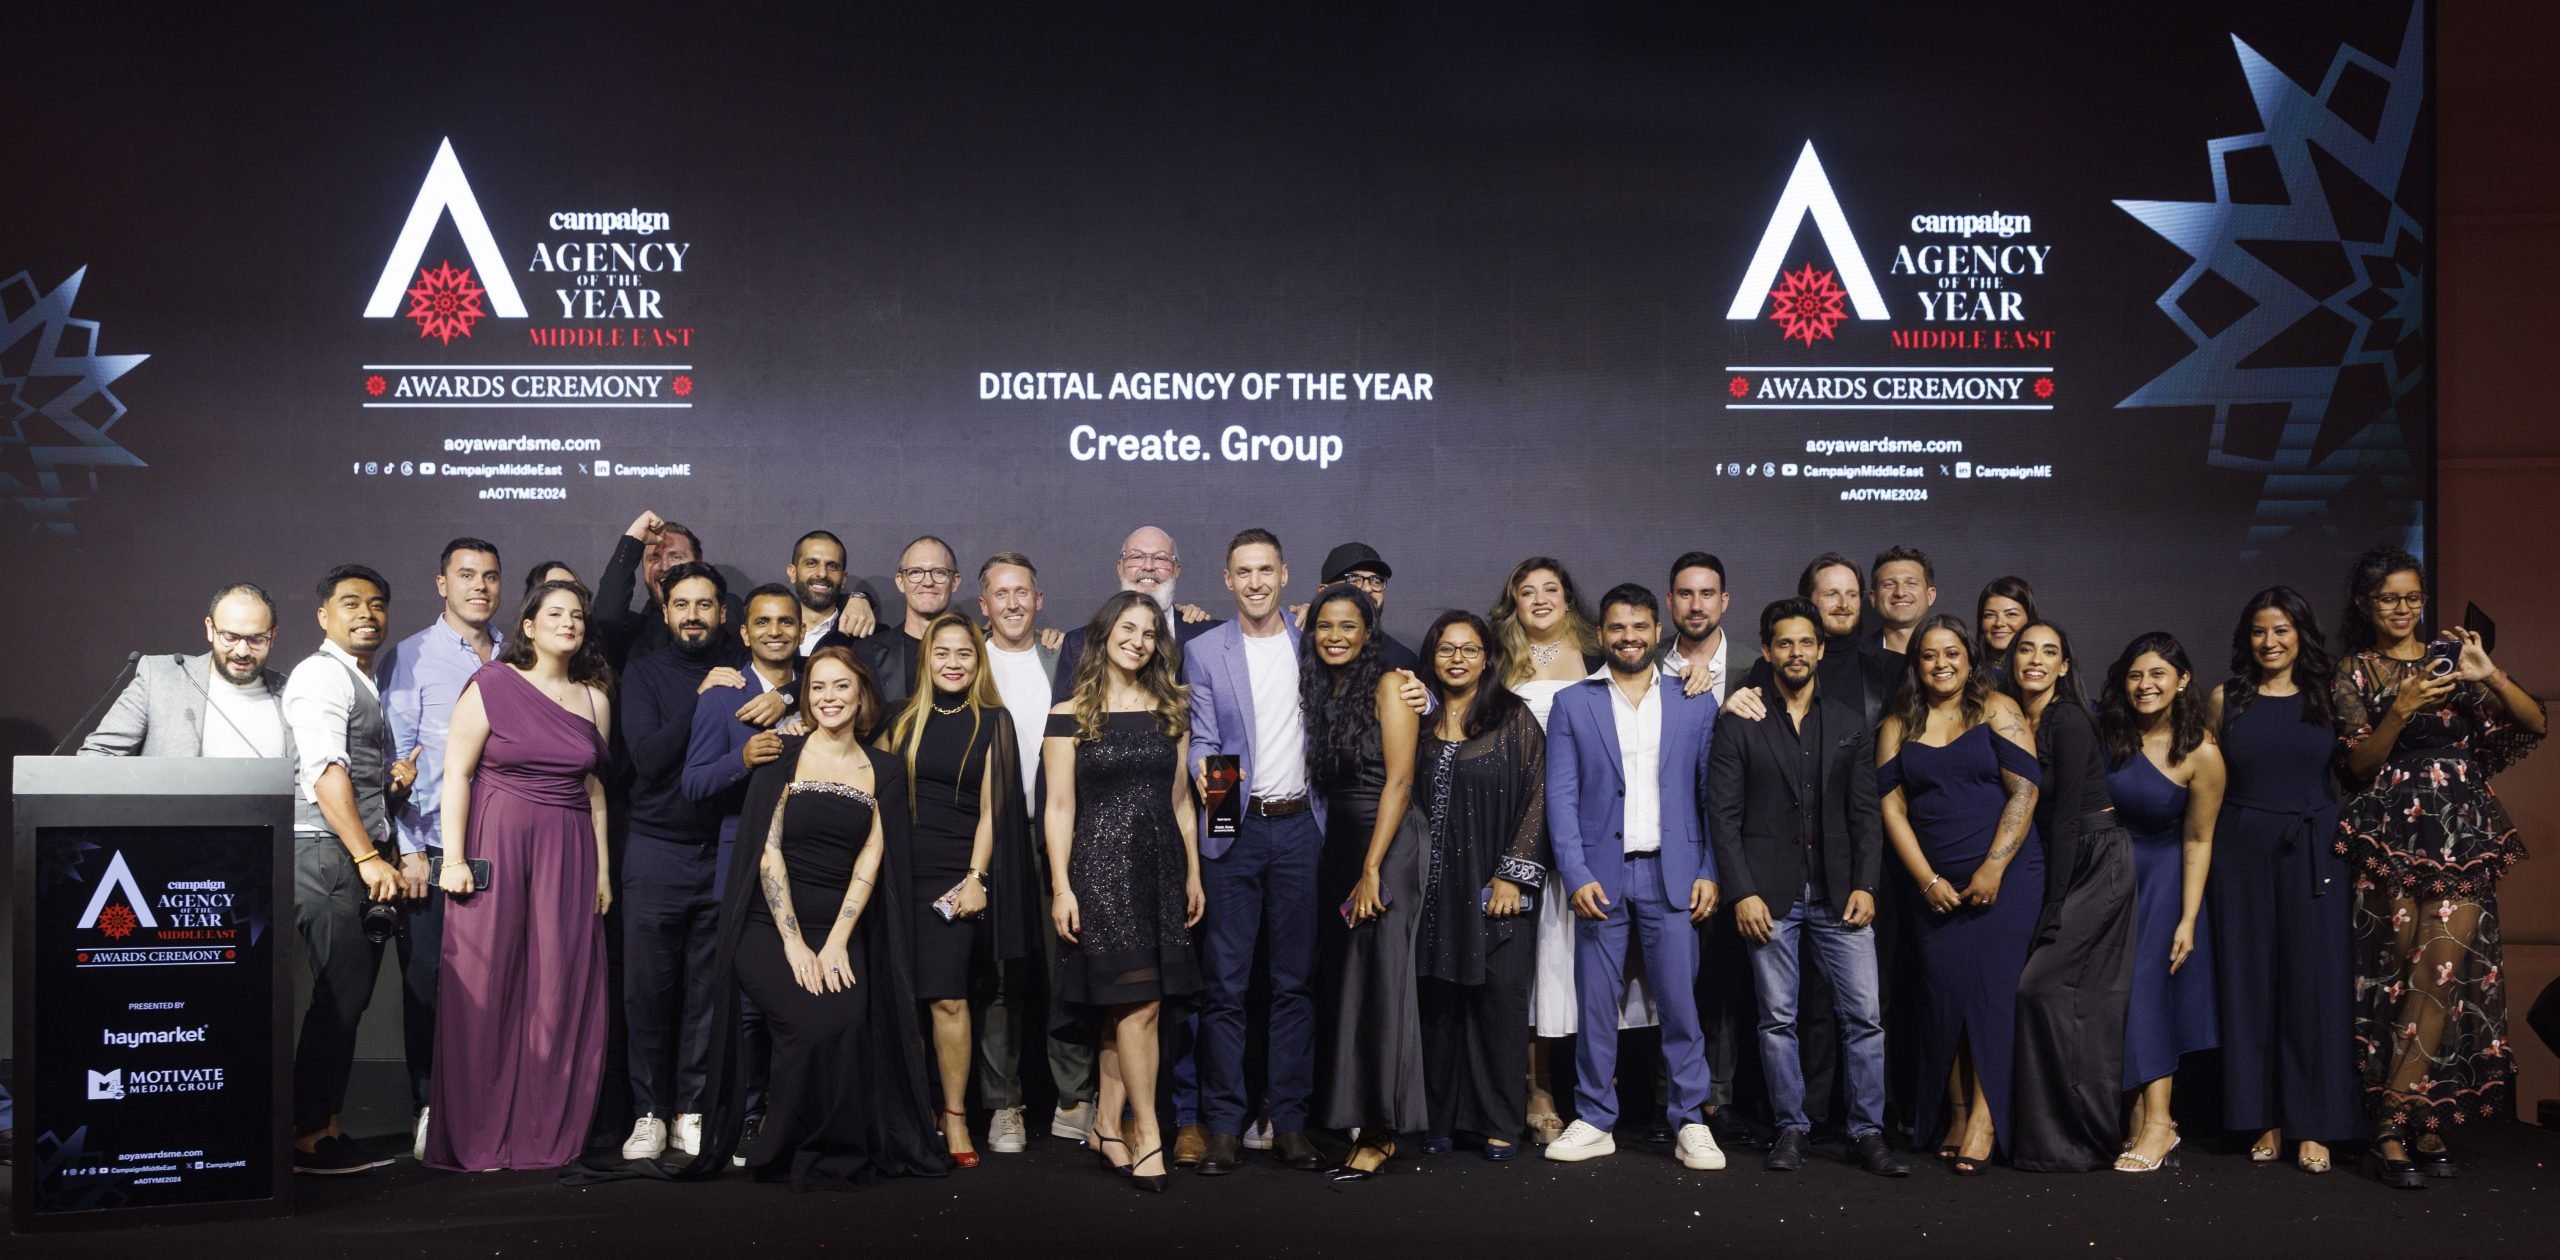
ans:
(2014, 818)
(2008, 725)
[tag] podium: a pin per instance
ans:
(154, 933)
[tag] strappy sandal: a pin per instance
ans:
(1545, 1126)
(2132, 1163)
(1117, 1168)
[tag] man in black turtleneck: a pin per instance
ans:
(670, 919)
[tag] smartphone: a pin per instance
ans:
(1386, 900)
(1528, 900)
(479, 868)
(2443, 657)
(2477, 622)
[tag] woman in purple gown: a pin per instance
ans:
(520, 1005)
(1956, 778)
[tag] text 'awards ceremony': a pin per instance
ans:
(1028, 631)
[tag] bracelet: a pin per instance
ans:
(1934, 881)
(368, 856)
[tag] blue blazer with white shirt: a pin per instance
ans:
(1222, 714)
(1586, 787)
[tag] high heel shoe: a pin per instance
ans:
(1154, 1183)
(2399, 1174)
(1347, 1174)
(1117, 1168)
(2132, 1163)
(959, 1159)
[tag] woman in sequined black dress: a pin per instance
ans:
(1124, 858)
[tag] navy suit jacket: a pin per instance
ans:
(1586, 787)
(713, 770)
(1222, 713)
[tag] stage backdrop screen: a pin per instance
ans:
(2130, 301)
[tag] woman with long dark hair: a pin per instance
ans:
(972, 843)
(1542, 629)
(1482, 770)
(2072, 995)
(520, 1028)
(1956, 783)
(1360, 744)
(2166, 777)
(2429, 841)
(2007, 605)
(2279, 895)
(1124, 863)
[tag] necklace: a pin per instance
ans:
(1545, 655)
(953, 710)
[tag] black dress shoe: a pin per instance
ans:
(2399, 1174)
(1728, 1127)
(1871, 1153)
(1297, 1152)
(1787, 1153)
(1218, 1158)
(2437, 1163)
(1658, 1132)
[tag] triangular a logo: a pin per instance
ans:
(1808, 192)
(118, 876)
(445, 191)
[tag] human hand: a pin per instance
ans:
(805, 969)
(403, 773)
(2420, 693)
(645, 527)
(1590, 902)
(835, 969)
(1191, 614)
(761, 747)
(1941, 894)
(454, 879)
(413, 876)
(1860, 911)
(1505, 901)
(855, 616)
(2474, 665)
(1195, 901)
(971, 901)
(1053, 638)
(1365, 902)
(1298, 615)
(1702, 900)
(604, 893)
(764, 710)
(1063, 916)
(1751, 918)
(381, 881)
(2182, 943)
(1984, 888)
(1745, 703)
(720, 676)
(1695, 680)
(1410, 690)
(792, 726)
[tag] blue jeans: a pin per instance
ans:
(1263, 888)
(1847, 956)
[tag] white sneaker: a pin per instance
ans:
(1073, 1122)
(1257, 1136)
(689, 1132)
(1005, 1135)
(418, 1148)
(1697, 1148)
(1581, 1141)
(648, 1139)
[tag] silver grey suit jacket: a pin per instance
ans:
(161, 712)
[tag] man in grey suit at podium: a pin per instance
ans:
(219, 703)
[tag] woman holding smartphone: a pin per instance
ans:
(2425, 726)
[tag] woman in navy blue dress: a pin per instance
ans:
(2166, 776)
(2284, 977)
(1957, 782)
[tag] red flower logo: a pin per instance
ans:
(1809, 303)
(1739, 387)
(374, 385)
(684, 387)
(445, 302)
(2044, 387)
(117, 922)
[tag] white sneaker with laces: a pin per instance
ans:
(648, 1139)
(1073, 1122)
(688, 1137)
(1005, 1135)
(418, 1148)
(1257, 1136)
(1581, 1141)
(1697, 1148)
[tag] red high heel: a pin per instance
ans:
(959, 1159)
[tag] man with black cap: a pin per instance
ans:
(1358, 563)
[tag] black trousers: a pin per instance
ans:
(1475, 1063)
(421, 954)
(328, 910)
(670, 936)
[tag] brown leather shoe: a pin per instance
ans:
(1189, 1142)
(1220, 1158)
(1296, 1151)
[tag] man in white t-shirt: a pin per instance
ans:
(224, 702)
(1009, 599)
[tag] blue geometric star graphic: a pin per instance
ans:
(55, 408)
(2331, 446)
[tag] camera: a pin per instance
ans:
(381, 922)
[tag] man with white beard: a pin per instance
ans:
(1149, 565)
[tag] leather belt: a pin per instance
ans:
(1285, 807)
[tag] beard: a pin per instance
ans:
(1162, 594)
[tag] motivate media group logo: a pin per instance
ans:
(117, 1084)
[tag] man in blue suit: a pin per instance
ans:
(1261, 882)
(1626, 808)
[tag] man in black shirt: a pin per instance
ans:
(1792, 804)
(928, 576)
(649, 550)
(670, 917)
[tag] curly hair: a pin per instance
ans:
(1911, 696)
(1340, 703)
(1513, 638)
(2313, 668)
(2121, 727)
(586, 664)
(2364, 578)
(1158, 676)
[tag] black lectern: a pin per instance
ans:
(154, 932)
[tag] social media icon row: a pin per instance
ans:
(389, 468)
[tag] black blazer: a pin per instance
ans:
(1753, 799)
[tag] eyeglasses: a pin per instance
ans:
(1457, 652)
(1151, 559)
(1369, 582)
(230, 640)
(928, 577)
(2414, 599)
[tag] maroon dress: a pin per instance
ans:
(520, 1003)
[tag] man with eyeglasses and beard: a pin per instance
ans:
(224, 702)
(670, 915)
(1149, 565)
(928, 576)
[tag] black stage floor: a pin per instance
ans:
(1054, 1201)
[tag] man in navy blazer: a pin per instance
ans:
(1626, 808)
(1261, 882)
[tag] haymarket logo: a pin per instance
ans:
(118, 921)
(1809, 302)
(106, 1085)
(445, 302)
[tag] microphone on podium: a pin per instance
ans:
(113, 686)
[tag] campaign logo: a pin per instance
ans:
(117, 920)
(443, 301)
(108, 1085)
(1809, 302)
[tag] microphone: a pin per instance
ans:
(113, 686)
